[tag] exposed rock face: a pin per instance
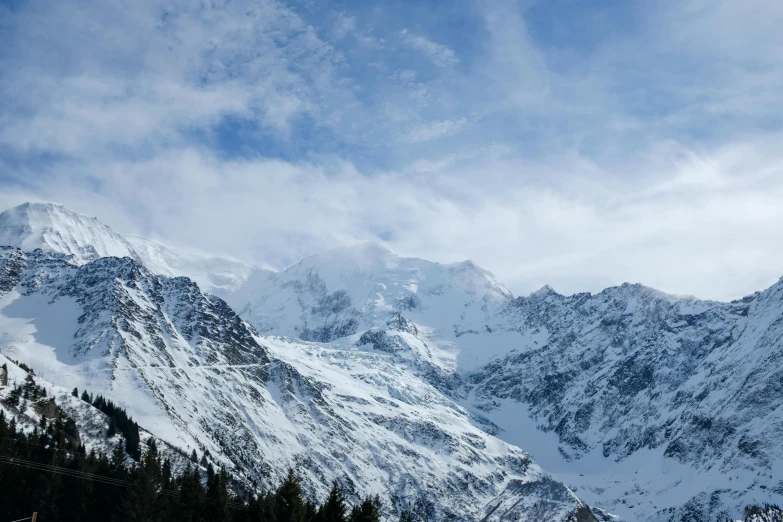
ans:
(640, 376)
(765, 513)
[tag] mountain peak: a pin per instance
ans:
(54, 228)
(32, 211)
(38, 209)
(544, 291)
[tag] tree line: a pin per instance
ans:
(119, 420)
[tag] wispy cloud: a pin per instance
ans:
(343, 25)
(158, 74)
(441, 55)
(436, 129)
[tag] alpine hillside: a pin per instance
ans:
(197, 376)
(654, 407)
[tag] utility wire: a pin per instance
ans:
(101, 479)
(63, 471)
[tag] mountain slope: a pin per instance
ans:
(660, 402)
(56, 229)
(192, 372)
(347, 290)
(653, 406)
(91, 426)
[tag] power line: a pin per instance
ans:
(63, 471)
(100, 479)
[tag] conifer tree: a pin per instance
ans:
(191, 493)
(117, 462)
(45, 494)
(166, 476)
(310, 511)
(78, 499)
(217, 495)
(334, 507)
(13, 396)
(288, 503)
(269, 507)
(132, 440)
(140, 501)
(368, 511)
(407, 516)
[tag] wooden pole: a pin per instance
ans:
(35, 516)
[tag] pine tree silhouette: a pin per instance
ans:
(334, 507)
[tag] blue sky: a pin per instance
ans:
(579, 144)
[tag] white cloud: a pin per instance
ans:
(653, 158)
(93, 82)
(441, 55)
(343, 25)
(435, 129)
(713, 236)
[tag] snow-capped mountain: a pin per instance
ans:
(54, 228)
(348, 290)
(195, 375)
(654, 403)
(653, 406)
